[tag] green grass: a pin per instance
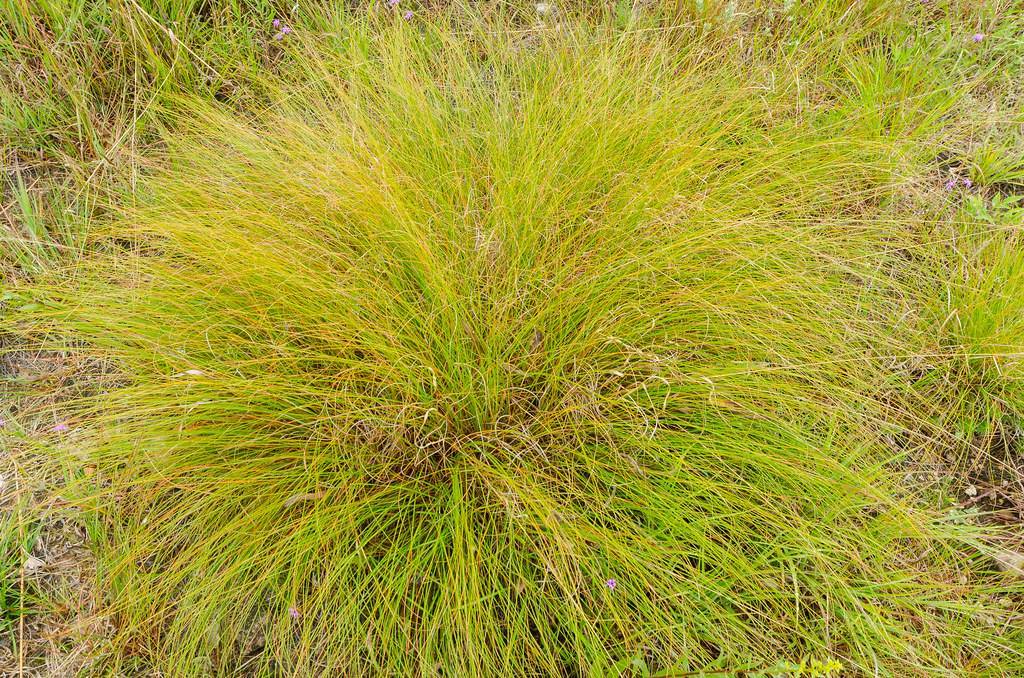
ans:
(17, 597)
(979, 314)
(461, 346)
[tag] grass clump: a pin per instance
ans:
(978, 309)
(478, 355)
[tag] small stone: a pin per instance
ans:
(32, 564)
(971, 491)
(1010, 562)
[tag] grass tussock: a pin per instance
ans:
(568, 355)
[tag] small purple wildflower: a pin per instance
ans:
(611, 584)
(407, 15)
(978, 37)
(968, 183)
(286, 30)
(3, 422)
(293, 612)
(951, 184)
(62, 427)
(393, 3)
(276, 23)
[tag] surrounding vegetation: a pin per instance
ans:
(492, 338)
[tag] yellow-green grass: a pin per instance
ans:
(976, 313)
(493, 352)
(16, 596)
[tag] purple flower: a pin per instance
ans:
(407, 15)
(294, 612)
(286, 30)
(978, 37)
(611, 584)
(276, 23)
(393, 3)
(968, 183)
(951, 184)
(61, 428)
